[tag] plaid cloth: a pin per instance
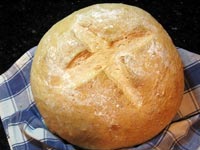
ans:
(25, 128)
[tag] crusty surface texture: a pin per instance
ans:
(107, 76)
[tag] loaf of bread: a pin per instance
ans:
(107, 76)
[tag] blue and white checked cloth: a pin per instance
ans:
(25, 128)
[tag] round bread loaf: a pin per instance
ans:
(107, 76)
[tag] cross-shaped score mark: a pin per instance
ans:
(107, 57)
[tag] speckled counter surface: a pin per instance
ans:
(24, 22)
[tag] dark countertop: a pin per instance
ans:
(24, 22)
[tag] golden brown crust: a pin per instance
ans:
(107, 76)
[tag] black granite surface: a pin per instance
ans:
(24, 22)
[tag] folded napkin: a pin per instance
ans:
(26, 130)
